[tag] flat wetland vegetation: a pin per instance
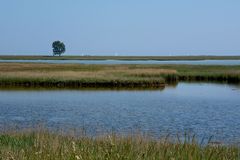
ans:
(111, 76)
(51, 146)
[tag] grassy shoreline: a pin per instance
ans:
(159, 58)
(46, 145)
(111, 76)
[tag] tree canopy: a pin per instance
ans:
(58, 48)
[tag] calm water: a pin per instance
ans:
(200, 62)
(204, 109)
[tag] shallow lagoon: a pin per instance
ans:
(187, 62)
(201, 108)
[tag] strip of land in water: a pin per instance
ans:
(49, 146)
(159, 58)
(111, 76)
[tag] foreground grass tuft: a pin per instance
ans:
(47, 146)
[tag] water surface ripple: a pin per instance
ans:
(201, 108)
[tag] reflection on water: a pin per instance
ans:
(37, 88)
(202, 108)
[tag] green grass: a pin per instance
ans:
(50, 146)
(6, 57)
(201, 73)
(111, 76)
(83, 83)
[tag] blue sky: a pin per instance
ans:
(123, 27)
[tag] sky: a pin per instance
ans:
(120, 27)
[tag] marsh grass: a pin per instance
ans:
(111, 76)
(50, 75)
(51, 146)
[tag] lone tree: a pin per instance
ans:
(58, 48)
